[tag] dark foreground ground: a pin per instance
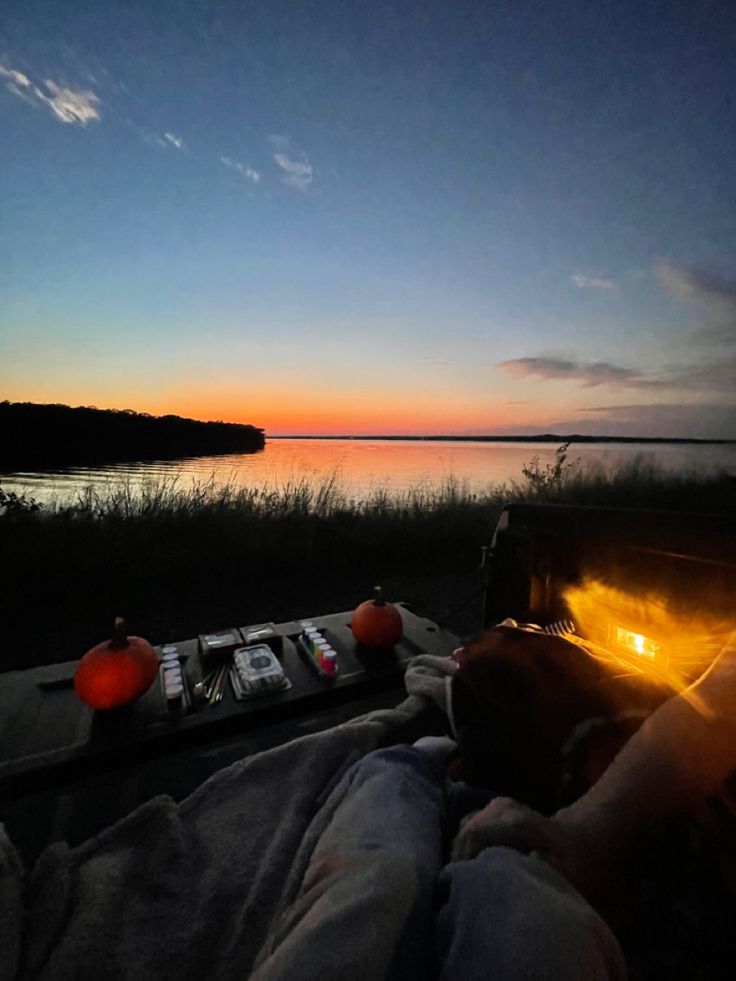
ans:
(61, 587)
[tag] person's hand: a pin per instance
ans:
(574, 852)
(506, 822)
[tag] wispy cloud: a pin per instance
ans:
(68, 105)
(18, 78)
(584, 282)
(713, 375)
(705, 420)
(71, 105)
(244, 169)
(710, 375)
(426, 357)
(636, 408)
(588, 374)
(278, 141)
(714, 420)
(698, 285)
(165, 140)
(173, 140)
(702, 369)
(299, 173)
(713, 293)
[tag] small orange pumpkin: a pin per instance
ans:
(117, 671)
(377, 623)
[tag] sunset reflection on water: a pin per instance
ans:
(363, 466)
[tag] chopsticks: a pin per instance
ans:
(214, 684)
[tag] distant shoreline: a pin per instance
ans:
(541, 438)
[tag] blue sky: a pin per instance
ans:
(446, 217)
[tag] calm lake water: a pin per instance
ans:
(364, 465)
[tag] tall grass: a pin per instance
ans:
(180, 559)
(635, 484)
(313, 518)
(298, 496)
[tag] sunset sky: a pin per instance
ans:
(373, 217)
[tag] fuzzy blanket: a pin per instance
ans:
(191, 890)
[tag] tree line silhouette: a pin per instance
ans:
(37, 436)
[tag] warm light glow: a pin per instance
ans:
(638, 642)
(645, 634)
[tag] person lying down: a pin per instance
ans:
(414, 879)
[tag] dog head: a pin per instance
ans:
(517, 696)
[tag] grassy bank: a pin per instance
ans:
(177, 562)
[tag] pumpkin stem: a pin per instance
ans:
(119, 635)
(378, 599)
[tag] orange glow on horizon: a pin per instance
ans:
(282, 409)
(329, 410)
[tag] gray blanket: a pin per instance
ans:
(191, 890)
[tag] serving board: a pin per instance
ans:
(47, 736)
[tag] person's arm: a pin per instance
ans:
(682, 753)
